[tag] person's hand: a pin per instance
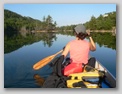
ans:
(88, 32)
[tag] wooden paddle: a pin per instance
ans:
(45, 61)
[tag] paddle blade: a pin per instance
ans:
(43, 62)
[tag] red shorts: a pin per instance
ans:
(72, 68)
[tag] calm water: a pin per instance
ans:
(18, 61)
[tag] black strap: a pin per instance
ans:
(79, 84)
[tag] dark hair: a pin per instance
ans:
(80, 35)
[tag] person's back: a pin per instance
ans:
(79, 51)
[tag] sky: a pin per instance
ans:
(63, 14)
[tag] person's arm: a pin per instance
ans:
(91, 42)
(66, 50)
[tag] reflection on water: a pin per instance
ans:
(22, 52)
(105, 39)
(16, 42)
(39, 80)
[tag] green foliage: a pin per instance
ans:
(66, 28)
(103, 22)
(16, 42)
(15, 23)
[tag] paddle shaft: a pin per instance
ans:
(45, 61)
(58, 52)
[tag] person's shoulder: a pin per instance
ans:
(67, 45)
(86, 41)
(72, 41)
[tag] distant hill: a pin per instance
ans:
(15, 23)
(103, 22)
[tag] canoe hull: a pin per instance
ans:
(109, 79)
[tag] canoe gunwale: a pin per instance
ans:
(108, 76)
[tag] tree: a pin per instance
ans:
(92, 23)
(55, 23)
(100, 23)
(49, 19)
(44, 19)
(49, 25)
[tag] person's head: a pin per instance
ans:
(80, 31)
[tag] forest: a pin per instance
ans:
(17, 24)
(103, 22)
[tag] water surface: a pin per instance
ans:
(22, 53)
